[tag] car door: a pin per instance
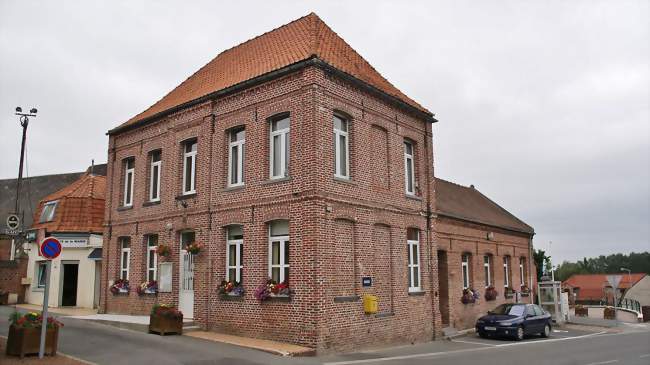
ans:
(531, 320)
(543, 318)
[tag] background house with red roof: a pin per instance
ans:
(595, 289)
(74, 215)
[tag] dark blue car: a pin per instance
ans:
(515, 320)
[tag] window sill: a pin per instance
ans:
(38, 290)
(277, 180)
(186, 196)
(414, 197)
(347, 299)
(236, 298)
(279, 298)
(345, 180)
(151, 203)
(417, 293)
(124, 207)
(234, 188)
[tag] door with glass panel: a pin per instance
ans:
(186, 276)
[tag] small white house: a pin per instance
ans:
(73, 215)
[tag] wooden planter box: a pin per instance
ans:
(582, 312)
(164, 325)
(26, 341)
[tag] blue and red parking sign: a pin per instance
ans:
(50, 248)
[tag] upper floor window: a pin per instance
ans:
(189, 167)
(236, 152)
(409, 171)
(506, 271)
(279, 251)
(125, 257)
(154, 179)
(234, 253)
(129, 172)
(465, 269)
(413, 244)
(49, 208)
(341, 150)
(487, 269)
(152, 258)
(279, 148)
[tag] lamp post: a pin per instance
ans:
(24, 122)
(629, 273)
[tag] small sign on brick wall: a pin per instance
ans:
(366, 281)
(165, 278)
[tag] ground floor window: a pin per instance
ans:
(234, 253)
(125, 257)
(487, 268)
(40, 273)
(413, 245)
(465, 269)
(152, 258)
(506, 271)
(279, 251)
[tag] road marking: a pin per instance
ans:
(603, 362)
(474, 343)
(433, 354)
(559, 331)
(644, 356)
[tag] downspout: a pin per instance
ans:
(107, 254)
(208, 296)
(429, 213)
(530, 264)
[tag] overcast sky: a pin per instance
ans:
(543, 106)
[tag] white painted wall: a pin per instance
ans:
(640, 291)
(85, 279)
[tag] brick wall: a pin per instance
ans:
(340, 231)
(456, 238)
(11, 272)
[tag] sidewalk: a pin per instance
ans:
(274, 347)
(59, 311)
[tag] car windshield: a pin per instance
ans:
(511, 309)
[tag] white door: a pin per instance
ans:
(186, 277)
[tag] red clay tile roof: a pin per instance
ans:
(291, 43)
(80, 206)
(591, 285)
(467, 203)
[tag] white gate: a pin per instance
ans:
(186, 277)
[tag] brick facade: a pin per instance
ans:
(340, 230)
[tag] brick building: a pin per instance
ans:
(287, 157)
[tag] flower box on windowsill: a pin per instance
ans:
(525, 294)
(279, 298)
(231, 296)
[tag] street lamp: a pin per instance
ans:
(629, 273)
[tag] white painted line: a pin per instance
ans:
(644, 356)
(559, 331)
(603, 362)
(433, 354)
(474, 343)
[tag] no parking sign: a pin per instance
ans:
(50, 248)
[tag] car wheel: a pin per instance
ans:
(547, 330)
(520, 333)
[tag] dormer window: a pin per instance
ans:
(49, 209)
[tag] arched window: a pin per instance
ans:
(234, 253)
(279, 147)
(413, 244)
(465, 265)
(279, 251)
(487, 270)
(341, 148)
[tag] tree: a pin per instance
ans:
(611, 264)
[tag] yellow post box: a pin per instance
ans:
(370, 304)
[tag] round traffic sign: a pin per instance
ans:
(50, 248)
(13, 221)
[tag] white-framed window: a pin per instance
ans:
(234, 253)
(487, 269)
(279, 250)
(189, 167)
(49, 209)
(409, 168)
(279, 148)
(506, 271)
(413, 244)
(152, 258)
(465, 270)
(522, 271)
(40, 273)
(236, 155)
(341, 148)
(125, 257)
(129, 172)
(154, 179)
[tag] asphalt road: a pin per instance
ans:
(103, 344)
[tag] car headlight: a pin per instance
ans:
(506, 323)
(480, 321)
